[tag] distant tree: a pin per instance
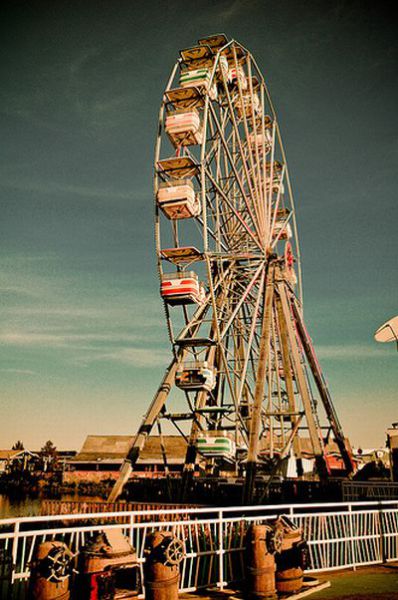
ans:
(49, 449)
(18, 446)
(17, 465)
(49, 456)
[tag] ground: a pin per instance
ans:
(368, 583)
(378, 583)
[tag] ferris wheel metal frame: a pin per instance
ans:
(241, 356)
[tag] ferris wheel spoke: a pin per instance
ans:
(217, 214)
(240, 172)
(255, 193)
(199, 314)
(226, 181)
(261, 160)
(254, 322)
(216, 321)
(236, 212)
(281, 230)
(275, 204)
(213, 235)
(262, 164)
(268, 178)
(235, 127)
(242, 288)
(238, 179)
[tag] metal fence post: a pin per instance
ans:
(15, 550)
(131, 521)
(220, 550)
(380, 522)
(352, 541)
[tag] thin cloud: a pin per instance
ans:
(45, 301)
(82, 321)
(18, 371)
(57, 340)
(234, 9)
(137, 357)
(56, 187)
(351, 351)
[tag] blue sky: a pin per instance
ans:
(82, 340)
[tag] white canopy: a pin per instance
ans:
(388, 332)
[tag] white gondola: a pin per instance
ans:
(277, 185)
(277, 177)
(195, 376)
(216, 446)
(251, 104)
(178, 200)
(198, 78)
(260, 141)
(182, 288)
(283, 230)
(184, 128)
(223, 62)
(235, 75)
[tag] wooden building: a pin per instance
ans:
(21, 460)
(101, 457)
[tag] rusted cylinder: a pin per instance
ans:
(291, 538)
(290, 566)
(50, 572)
(289, 580)
(161, 568)
(107, 568)
(260, 565)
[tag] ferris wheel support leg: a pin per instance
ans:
(314, 432)
(188, 472)
(255, 424)
(191, 454)
(323, 390)
(287, 369)
(149, 420)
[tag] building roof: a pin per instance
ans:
(6, 454)
(104, 446)
(114, 448)
(11, 454)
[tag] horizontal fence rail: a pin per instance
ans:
(352, 491)
(339, 536)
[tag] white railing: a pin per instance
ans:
(339, 536)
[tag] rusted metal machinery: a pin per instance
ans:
(276, 556)
(229, 264)
(51, 570)
(108, 568)
(163, 554)
(262, 542)
(292, 558)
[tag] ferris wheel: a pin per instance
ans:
(227, 249)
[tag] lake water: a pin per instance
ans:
(23, 507)
(29, 507)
